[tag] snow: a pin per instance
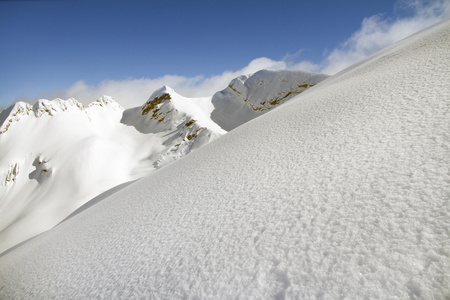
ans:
(55, 143)
(341, 193)
(57, 155)
(198, 108)
(250, 96)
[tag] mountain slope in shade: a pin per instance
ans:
(250, 96)
(341, 193)
(57, 155)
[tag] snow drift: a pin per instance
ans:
(340, 193)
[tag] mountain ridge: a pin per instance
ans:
(248, 97)
(62, 149)
(42, 107)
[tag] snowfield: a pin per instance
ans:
(341, 193)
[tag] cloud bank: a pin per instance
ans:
(134, 92)
(376, 32)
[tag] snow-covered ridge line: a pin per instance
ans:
(43, 107)
(166, 110)
(104, 101)
(250, 96)
(185, 121)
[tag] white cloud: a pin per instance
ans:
(376, 32)
(210, 85)
(129, 92)
(134, 92)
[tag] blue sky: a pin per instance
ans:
(83, 49)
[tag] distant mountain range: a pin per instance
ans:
(57, 155)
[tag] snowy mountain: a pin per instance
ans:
(248, 97)
(57, 155)
(346, 198)
(185, 122)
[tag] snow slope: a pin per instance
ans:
(341, 193)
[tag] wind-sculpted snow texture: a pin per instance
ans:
(342, 193)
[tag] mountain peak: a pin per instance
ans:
(51, 107)
(13, 114)
(20, 109)
(161, 91)
(154, 102)
(105, 101)
(249, 96)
